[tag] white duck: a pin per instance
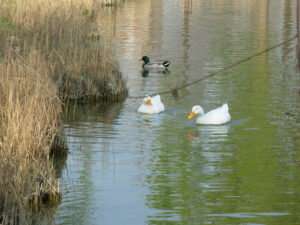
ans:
(215, 117)
(151, 105)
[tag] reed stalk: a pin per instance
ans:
(47, 57)
(30, 118)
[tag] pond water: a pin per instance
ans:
(128, 168)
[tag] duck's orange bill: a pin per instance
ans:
(149, 102)
(191, 115)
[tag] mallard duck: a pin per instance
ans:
(155, 64)
(151, 105)
(215, 117)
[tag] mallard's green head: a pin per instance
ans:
(145, 59)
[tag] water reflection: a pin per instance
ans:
(105, 112)
(154, 73)
(216, 131)
(207, 136)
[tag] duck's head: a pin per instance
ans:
(197, 109)
(147, 100)
(145, 59)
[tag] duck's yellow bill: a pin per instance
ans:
(149, 102)
(191, 115)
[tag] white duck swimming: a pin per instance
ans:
(215, 117)
(151, 105)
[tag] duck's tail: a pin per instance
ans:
(225, 106)
(156, 98)
(166, 63)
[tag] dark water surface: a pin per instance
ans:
(125, 168)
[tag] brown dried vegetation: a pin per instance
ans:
(47, 57)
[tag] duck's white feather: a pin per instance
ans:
(215, 117)
(156, 107)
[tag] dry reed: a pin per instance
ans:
(65, 35)
(47, 56)
(30, 110)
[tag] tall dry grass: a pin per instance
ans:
(47, 57)
(84, 69)
(29, 120)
